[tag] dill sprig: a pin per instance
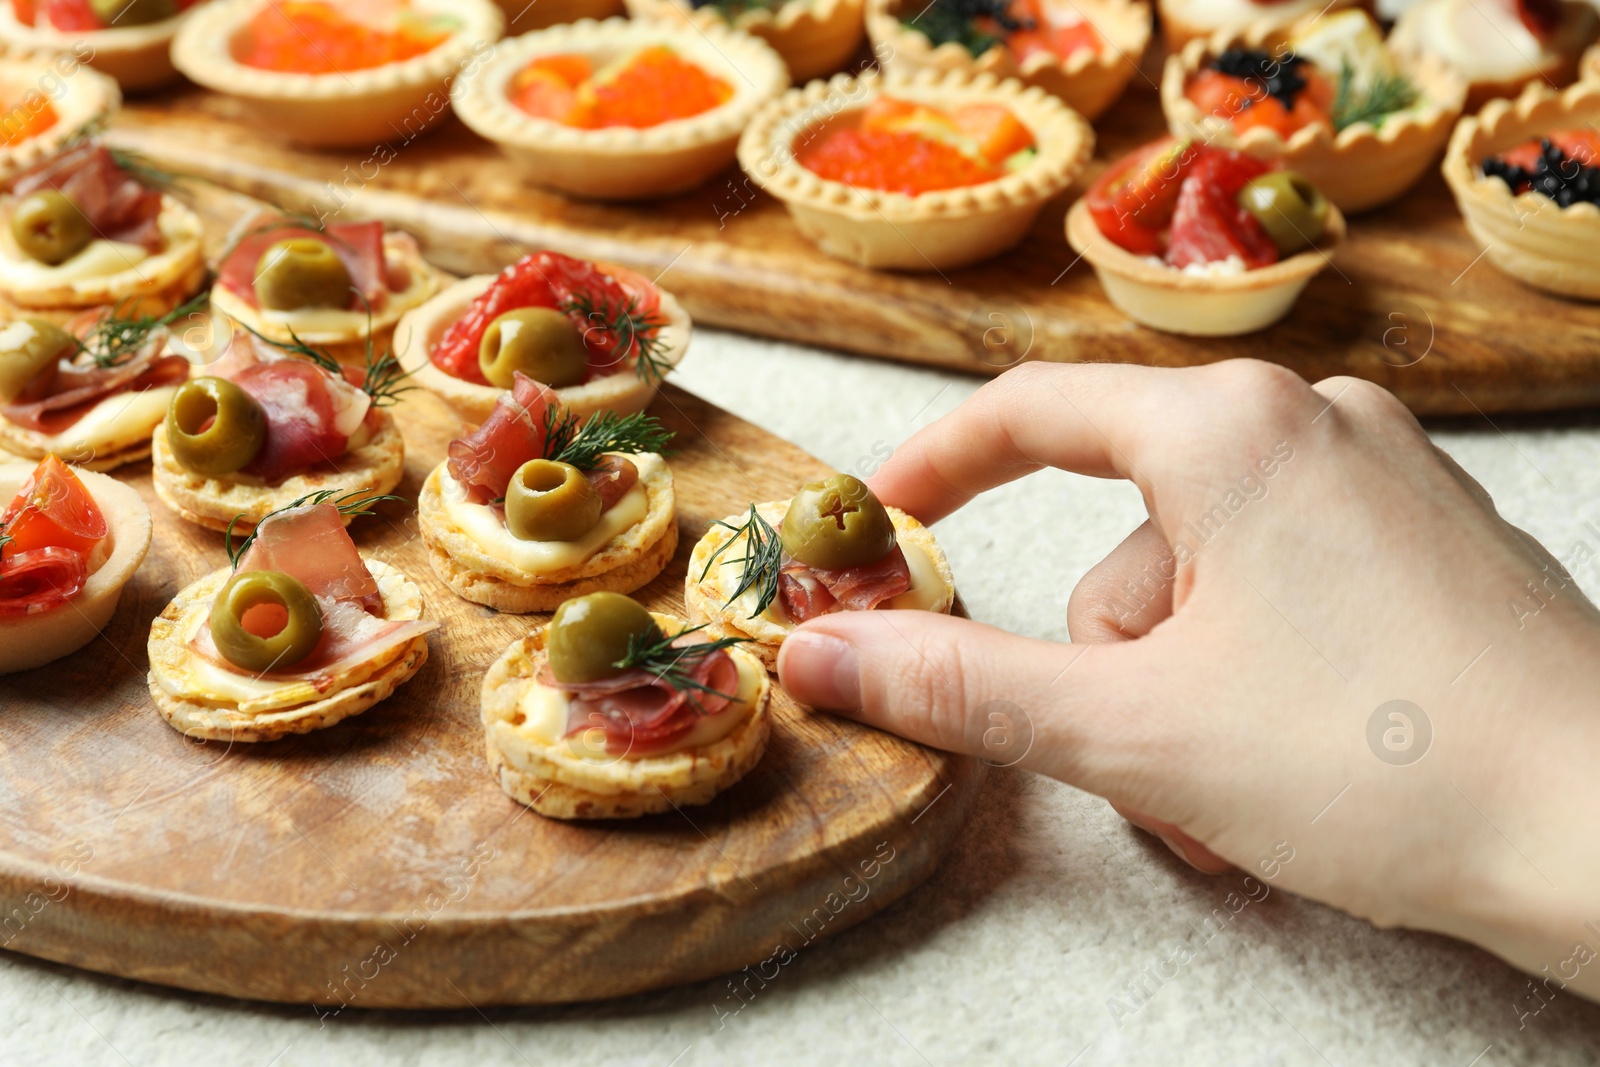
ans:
(944, 21)
(382, 378)
(140, 167)
(762, 559)
(116, 338)
(351, 504)
(5, 538)
(1382, 97)
(635, 332)
(565, 441)
(674, 663)
(732, 9)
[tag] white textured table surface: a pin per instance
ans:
(1027, 946)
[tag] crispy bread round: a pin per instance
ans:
(629, 562)
(194, 715)
(557, 783)
(30, 444)
(377, 465)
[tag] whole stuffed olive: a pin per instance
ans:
(837, 523)
(302, 272)
(549, 501)
(540, 342)
(265, 621)
(1292, 210)
(29, 348)
(49, 228)
(213, 427)
(117, 13)
(589, 635)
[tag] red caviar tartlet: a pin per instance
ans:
(45, 102)
(130, 40)
(814, 37)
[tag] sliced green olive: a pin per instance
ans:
(301, 272)
(49, 228)
(837, 523)
(540, 342)
(28, 347)
(213, 427)
(265, 621)
(118, 13)
(549, 501)
(590, 635)
(1292, 210)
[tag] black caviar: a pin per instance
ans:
(1556, 175)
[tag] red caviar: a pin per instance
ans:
(314, 37)
(901, 147)
(1046, 36)
(652, 86)
(26, 119)
(68, 14)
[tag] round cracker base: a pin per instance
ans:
(22, 442)
(152, 304)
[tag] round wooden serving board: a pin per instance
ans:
(377, 863)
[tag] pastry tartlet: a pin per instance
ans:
(612, 712)
(621, 338)
(532, 509)
(1589, 69)
(1183, 21)
(833, 547)
(1203, 241)
(46, 102)
(884, 205)
(620, 110)
(524, 16)
(135, 48)
(93, 394)
(70, 540)
(261, 430)
(81, 231)
(814, 37)
(316, 73)
(1499, 46)
(1544, 232)
(342, 288)
(300, 633)
(1085, 55)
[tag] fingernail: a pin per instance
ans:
(820, 670)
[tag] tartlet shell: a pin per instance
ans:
(138, 57)
(559, 785)
(1166, 299)
(1577, 30)
(704, 605)
(34, 640)
(213, 503)
(1360, 167)
(621, 162)
(628, 562)
(814, 37)
(80, 96)
(1589, 68)
(1089, 81)
(524, 16)
(1528, 237)
(1177, 31)
(935, 230)
(394, 102)
(222, 720)
(625, 393)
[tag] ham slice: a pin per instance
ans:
(484, 461)
(76, 388)
(40, 579)
(807, 592)
(117, 206)
(310, 543)
(612, 479)
(310, 413)
(358, 244)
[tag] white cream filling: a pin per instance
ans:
(1485, 42)
(925, 594)
(99, 259)
(1217, 268)
(486, 529)
(117, 422)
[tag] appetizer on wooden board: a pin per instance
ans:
(129, 40)
(46, 101)
(815, 37)
(1499, 46)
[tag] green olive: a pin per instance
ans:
(49, 228)
(549, 501)
(1292, 210)
(301, 272)
(27, 348)
(837, 523)
(238, 633)
(589, 635)
(540, 342)
(118, 13)
(213, 427)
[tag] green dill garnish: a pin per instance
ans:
(5, 538)
(1386, 94)
(383, 377)
(732, 9)
(116, 339)
(762, 559)
(633, 331)
(565, 441)
(351, 504)
(957, 21)
(672, 663)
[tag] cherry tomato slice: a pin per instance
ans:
(1132, 202)
(53, 510)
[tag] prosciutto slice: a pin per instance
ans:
(484, 460)
(311, 544)
(117, 205)
(640, 711)
(358, 244)
(40, 579)
(807, 592)
(310, 413)
(612, 479)
(75, 388)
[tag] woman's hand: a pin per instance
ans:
(1311, 559)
